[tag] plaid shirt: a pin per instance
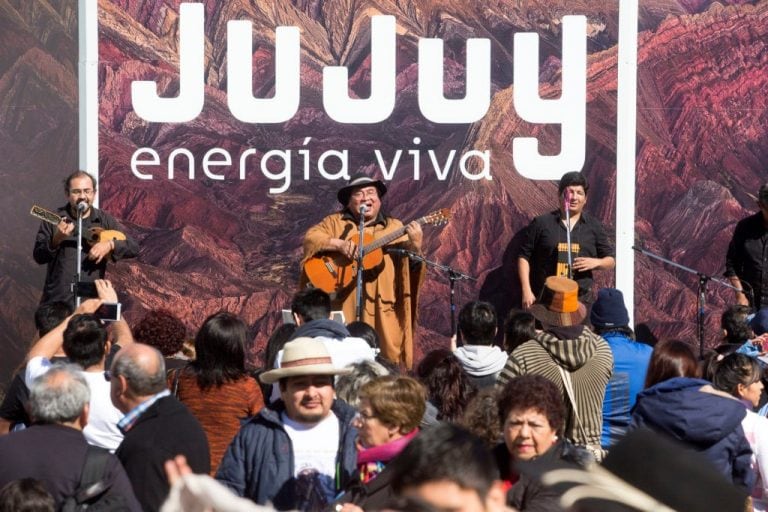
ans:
(130, 419)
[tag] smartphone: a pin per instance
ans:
(86, 289)
(109, 311)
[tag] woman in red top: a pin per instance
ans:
(215, 386)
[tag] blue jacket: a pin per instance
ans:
(259, 461)
(630, 364)
(706, 422)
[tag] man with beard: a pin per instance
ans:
(299, 452)
(56, 246)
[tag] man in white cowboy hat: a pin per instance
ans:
(569, 354)
(391, 288)
(299, 452)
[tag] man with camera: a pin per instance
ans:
(87, 344)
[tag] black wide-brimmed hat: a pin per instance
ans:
(357, 181)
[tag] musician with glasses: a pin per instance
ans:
(390, 287)
(56, 246)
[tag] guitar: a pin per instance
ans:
(332, 272)
(94, 235)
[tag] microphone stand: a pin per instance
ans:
(79, 260)
(359, 297)
(701, 299)
(453, 276)
(567, 199)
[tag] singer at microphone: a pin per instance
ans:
(56, 246)
(545, 248)
(390, 286)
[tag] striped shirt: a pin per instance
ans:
(589, 361)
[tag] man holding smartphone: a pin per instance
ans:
(56, 246)
(87, 343)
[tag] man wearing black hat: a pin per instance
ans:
(745, 263)
(391, 286)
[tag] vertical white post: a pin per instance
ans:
(88, 87)
(626, 131)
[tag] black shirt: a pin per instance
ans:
(545, 248)
(61, 260)
(747, 255)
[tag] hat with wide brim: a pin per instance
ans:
(559, 304)
(357, 181)
(303, 356)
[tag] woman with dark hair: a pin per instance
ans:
(215, 386)
(389, 413)
(671, 359)
(275, 344)
(740, 376)
(448, 386)
(519, 327)
(680, 405)
(532, 416)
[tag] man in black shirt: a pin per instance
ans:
(544, 251)
(56, 246)
(746, 262)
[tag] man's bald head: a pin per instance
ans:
(143, 368)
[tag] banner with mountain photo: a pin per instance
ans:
(225, 129)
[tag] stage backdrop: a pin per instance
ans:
(220, 184)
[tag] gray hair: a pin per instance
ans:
(348, 386)
(141, 381)
(59, 395)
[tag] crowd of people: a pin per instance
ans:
(556, 406)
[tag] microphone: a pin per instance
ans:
(403, 252)
(82, 206)
(363, 209)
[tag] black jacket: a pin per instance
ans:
(55, 454)
(163, 431)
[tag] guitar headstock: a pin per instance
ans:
(438, 217)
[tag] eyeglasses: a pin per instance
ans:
(360, 194)
(363, 416)
(78, 191)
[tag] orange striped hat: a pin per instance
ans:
(559, 303)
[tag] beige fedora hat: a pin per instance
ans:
(303, 356)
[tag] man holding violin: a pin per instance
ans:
(56, 246)
(390, 280)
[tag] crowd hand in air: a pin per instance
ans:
(105, 290)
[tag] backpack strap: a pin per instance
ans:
(92, 479)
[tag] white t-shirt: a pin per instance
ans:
(101, 429)
(756, 431)
(314, 452)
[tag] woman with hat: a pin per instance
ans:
(569, 354)
(391, 288)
